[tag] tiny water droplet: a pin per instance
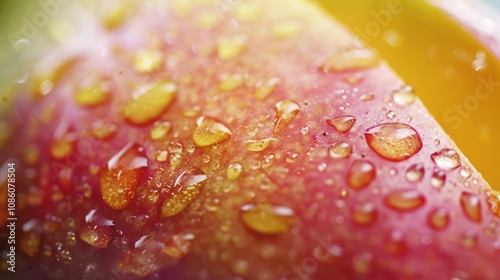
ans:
(268, 160)
(469, 240)
(97, 236)
(210, 131)
(258, 145)
(231, 82)
(404, 96)
(264, 88)
(287, 29)
(343, 123)
(361, 174)
(266, 219)
(162, 155)
(415, 172)
(365, 214)
(471, 205)
(103, 130)
(233, 171)
(122, 173)
(231, 47)
(438, 178)
(367, 97)
(446, 159)
(147, 61)
(391, 114)
(405, 199)
(351, 59)
(439, 218)
(160, 130)
(340, 150)
(394, 141)
(286, 111)
(437, 142)
(148, 103)
(187, 187)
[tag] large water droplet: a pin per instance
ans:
(286, 111)
(258, 145)
(233, 171)
(267, 219)
(438, 178)
(210, 131)
(439, 218)
(394, 141)
(365, 214)
(122, 173)
(405, 199)
(264, 88)
(231, 47)
(185, 190)
(340, 150)
(343, 123)
(361, 174)
(415, 172)
(148, 103)
(404, 96)
(446, 159)
(471, 205)
(351, 59)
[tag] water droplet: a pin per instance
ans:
(264, 88)
(405, 199)
(340, 150)
(437, 142)
(103, 130)
(92, 95)
(30, 243)
(160, 129)
(361, 174)
(404, 96)
(233, 171)
(396, 244)
(438, 178)
(465, 171)
(185, 190)
(394, 141)
(162, 155)
(415, 172)
(268, 160)
(287, 29)
(367, 97)
(230, 82)
(149, 103)
(469, 240)
(65, 255)
(493, 201)
(439, 218)
(446, 159)
(471, 205)
(351, 59)
(267, 219)
(231, 47)
(391, 114)
(179, 246)
(210, 131)
(365, 214)
(174, 147)
(362, 263)
(97, 236)
(122, 173)
(286, 111)
(343, 123)
(258, 145)
(147, 61)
